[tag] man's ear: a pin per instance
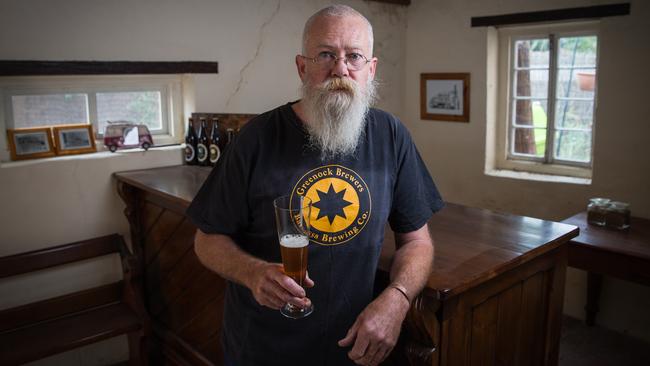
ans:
(373, 67)
(301, 65)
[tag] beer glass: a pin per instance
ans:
(292, 215)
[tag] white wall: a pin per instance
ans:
(440, 39)
(61, 200)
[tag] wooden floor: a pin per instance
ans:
(593, 346)
(581, 345)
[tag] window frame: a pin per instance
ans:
(504, 157)
(169, 86)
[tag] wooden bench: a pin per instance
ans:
(44, 328)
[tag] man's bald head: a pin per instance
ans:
(336, 10)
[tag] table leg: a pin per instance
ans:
(594, 285)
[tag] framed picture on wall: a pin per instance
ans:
(444, 97)
(74, 139)
(30, 143)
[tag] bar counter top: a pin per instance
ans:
(472, 245)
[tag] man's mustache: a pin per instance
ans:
(339, 84)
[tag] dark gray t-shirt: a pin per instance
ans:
(385, 180)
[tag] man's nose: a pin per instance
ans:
(340, 68)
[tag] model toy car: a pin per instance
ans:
(123, 134)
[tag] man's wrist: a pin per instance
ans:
(253, 270)
(395, 286)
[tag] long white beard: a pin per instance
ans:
(336, 110)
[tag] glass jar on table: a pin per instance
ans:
(597, 210)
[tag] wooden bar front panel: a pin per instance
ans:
(494, 297)
(184, 299)
(183, 296)
(513, 319)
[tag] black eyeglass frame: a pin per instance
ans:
(347, 63)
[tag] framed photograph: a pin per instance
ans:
(30, 143)
(74, 139)
(444, 97)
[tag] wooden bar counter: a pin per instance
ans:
(494, 298)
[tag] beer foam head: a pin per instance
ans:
(294, 241)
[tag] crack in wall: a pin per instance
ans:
(257, 52)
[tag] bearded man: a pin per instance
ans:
(361, 170)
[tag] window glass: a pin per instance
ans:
(139, 107)
(577, 51)
(532, 53)
(529, 141)
(530, 112)
(532, 83)
(49, 109)
(574, 114)
(571, 99)
(575, 93)
(576, 83)
(573, 145)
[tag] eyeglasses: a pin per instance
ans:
(354, 61)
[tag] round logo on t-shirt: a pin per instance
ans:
(341, 204)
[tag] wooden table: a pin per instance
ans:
(624, 254)
(495, 295)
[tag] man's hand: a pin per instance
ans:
(272, 288)
(376, 329)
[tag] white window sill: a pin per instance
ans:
(537, 177)
(105, 154)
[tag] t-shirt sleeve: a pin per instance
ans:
(415, 195)
(221, 206)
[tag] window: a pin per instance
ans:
(547, 98)
(51, 100)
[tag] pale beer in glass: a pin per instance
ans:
(294, 256)
(292, 214)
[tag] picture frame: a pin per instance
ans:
(444, 96)
(30, 143)
(74, 139)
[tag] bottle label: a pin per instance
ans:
(215, 153)
(202, 152)
(189, 153)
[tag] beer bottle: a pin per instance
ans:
(190, 145)
(215, 152)
(202, 146)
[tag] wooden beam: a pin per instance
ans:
(29, 67)
(398, 2)
(588, 12)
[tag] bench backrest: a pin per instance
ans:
(70, 303)
(55, 256)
